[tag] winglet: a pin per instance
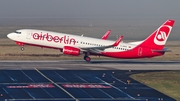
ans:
(118, 41)
(105, 36)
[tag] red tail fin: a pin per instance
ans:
(159, 37)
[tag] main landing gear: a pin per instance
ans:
(86, 57)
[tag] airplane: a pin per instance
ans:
(75, 45)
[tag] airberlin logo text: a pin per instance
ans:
(162, 34)
(57, 39)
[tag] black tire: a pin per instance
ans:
(22, 48)
(88, 59)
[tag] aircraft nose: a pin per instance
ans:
(10, 35)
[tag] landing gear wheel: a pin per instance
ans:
(22, 48)
(88, 59)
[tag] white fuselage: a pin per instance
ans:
(59, 40)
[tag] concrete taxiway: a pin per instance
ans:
(94, 65)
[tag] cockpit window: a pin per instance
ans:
(17, 32)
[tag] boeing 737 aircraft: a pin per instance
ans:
(75, 45)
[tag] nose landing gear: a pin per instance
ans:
(22, 48)
(21, 44)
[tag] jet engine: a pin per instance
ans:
(71, 51)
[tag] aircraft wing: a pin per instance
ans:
(100, 48)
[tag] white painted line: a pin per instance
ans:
(56, 84)
(116, 88)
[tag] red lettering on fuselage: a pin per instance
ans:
(57, 39)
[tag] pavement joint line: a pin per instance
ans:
(56, 84)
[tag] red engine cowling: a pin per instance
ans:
(71, 51)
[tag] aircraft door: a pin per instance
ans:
(28, 35)
(140, 51)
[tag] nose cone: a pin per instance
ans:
(10, 35)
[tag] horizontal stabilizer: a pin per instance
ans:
(164, 50)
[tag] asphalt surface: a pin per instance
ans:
(71, 85)
(75, 80)
(93, 65)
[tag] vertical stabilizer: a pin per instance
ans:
(159, 37)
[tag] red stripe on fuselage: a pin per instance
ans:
(137, 52)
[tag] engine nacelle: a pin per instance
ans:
(71, 51)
